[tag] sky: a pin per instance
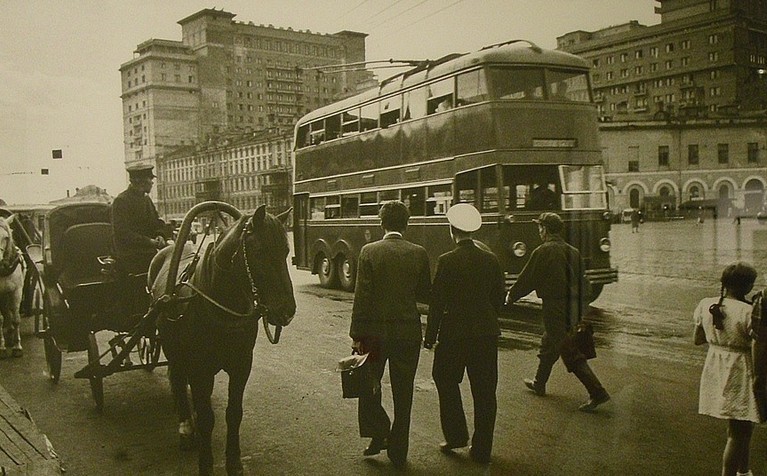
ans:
(60, 80)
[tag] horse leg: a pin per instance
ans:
(202, 389)
(237, 381)
(178, 387)
(15, 317)
(3, 322)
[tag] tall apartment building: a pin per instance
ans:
(706, 58)
(228, 76)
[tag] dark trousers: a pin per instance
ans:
(478, 357)
(554, 334)
(374, 422)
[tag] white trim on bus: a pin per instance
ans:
(367, 171)
(399, 186)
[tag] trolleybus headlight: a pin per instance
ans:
(604, 244)
(607, 216)
(519, 249)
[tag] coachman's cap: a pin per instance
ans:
(464, 217)
(551, 221)
(141, 171)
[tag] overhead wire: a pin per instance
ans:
(380, 11)
(427, 16)
(353, 8)
(397, 15)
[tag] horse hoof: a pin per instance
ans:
(17, 353)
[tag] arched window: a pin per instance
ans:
(665, 191)
(634, 198)
(754, 195)
(694, 192)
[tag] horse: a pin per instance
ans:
(240, 278)
(11, 289)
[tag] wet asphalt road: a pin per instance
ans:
(296, 423)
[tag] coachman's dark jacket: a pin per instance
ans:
(134, 224)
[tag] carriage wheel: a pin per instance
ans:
(346, 272)
(97, 383)
(149, 352)
(327, 272)
(52, 351)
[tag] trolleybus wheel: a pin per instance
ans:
(327, 272)
(97, 383)
(596, 290)
(149, 352)
(52, 351)
(347, 271)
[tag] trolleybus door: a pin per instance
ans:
(300, 218)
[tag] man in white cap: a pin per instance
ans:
(467, 298)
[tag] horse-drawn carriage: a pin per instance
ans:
(83, 294)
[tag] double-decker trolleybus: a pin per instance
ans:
(511, 129)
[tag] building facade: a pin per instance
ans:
(706, 58)
(227, 79)
(677, 168)
(245, 170)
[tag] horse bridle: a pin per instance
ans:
(259, 311)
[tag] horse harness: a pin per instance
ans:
(8, 265)
(257, 311)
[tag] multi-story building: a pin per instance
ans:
(245, 170)
(683, 105)
(668, 167)
(226, 76)
(705, 58)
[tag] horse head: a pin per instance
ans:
(7, 246)
(253, 253)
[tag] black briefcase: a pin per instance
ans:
(355, 376)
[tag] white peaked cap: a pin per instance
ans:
(464, 217)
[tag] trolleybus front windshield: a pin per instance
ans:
(531, 83)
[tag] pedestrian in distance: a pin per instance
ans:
(555, 273)
(466, 301)
(392, 275)
(636, 217)
(726, 383)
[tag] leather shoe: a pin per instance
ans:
(477, 458)
(539, 390)
(594, 402)
(376, 446)
(446, 447)
(397, 461)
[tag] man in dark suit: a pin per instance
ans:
(392, 274)
(555, 273)
(467, 297)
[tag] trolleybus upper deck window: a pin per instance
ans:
(369, 117)
(567, 85)
(390, 108)
(414, 104)
(351, 122)
(440, 96)
(517, 83)
(471, 88)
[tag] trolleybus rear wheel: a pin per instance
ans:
(347, 270)
(97, 383)
(327, 272)
(596, 290)
(43, 329)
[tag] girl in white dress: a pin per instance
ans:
(726, 384)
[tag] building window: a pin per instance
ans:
(663, 155)
(753, 152)
(714, 74)
(638, 70)
(686, 61)
(713, 39)
(654, 51)
(715, 91)
(654, 67)
(624, 57)
(610, 59)
(624, 73)
(685, 44)
(595, 62)
(692, 154)
(723, 153)
(637, 54)
(609, 75)
(669, 48)
(713, 56)
(633, 166)
(669, 64)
